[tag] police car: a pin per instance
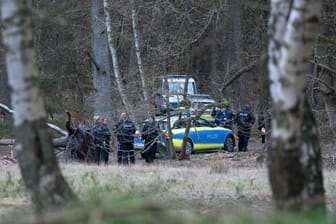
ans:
(203, 135)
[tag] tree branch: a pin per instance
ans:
(199, 35)
(326, 67)
(52, 126)
(247, 68)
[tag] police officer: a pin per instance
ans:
(125, 130)
(244, 120)
(224, 117)
(150, 135)
(106, 138)
(97, 138)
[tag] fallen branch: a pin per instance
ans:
(62, 141)
(52, 126)
(6, 141)
(9, 159)
(57, 142)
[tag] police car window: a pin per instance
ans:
(162, 125)
(202, 123)
(198, 106)
(179, 124)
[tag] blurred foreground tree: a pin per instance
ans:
(37, 161)
(295, 169)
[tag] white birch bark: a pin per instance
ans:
(290, 64)
(116, 69)
(295, 161)
(138, 54)
(37, 161)
(26, 99)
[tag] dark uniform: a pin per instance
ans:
(150, 135)
(224, 118)
(125, 130)
(106, 138)
(244, 120)
(97, 140)
(101, 140)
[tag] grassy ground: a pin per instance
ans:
(211, 188)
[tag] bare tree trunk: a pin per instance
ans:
(4, 88)
(169, 141)
(102, 66)
(116, 70)
(329, 93)
(327, 89)
(132, 70)
(213, 55)
(238, 48)
(330, 106)
(323, 79)
(295, 170)
(184, 154)
(37, 160)
(138, 54)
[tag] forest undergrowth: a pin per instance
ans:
(210, 186)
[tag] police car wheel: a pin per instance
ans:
(189, 147)
(229, 144)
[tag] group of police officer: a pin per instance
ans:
(244, 120)
(125, 130)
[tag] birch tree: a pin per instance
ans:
(37, 161)
(117, 76)
(295, 171)
(102, 66)
(138, 52)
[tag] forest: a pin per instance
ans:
(222, 44)
(215, 42)
(103, 57)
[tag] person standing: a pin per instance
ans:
(106, 138)
(150, 135)
(125, 130)
(97, 138)
(224, 117)
(119, 152)
(244, 120)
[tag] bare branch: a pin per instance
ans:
(52, 126)
(247, 68)
(323, 66)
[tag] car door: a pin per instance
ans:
(209, 135)
(194, 134)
